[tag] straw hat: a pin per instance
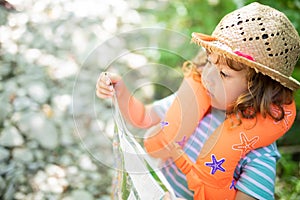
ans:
(260, 37)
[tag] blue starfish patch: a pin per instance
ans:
(215, 164)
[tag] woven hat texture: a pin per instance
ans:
(260, 37)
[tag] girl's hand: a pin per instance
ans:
(105, 84)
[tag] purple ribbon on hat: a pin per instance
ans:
(239, 53)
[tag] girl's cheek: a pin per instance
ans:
(203, 77)
(206, 76)
(204, 80)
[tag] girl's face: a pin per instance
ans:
(223, 84)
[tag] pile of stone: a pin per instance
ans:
(43, 154)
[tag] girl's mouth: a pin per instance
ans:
(209, 93)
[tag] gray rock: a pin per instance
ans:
(10, 137)
(67, 136)
(66, 160)
(11, 85)
(5, 108)
(28, 121)
(5, 70)
(32, 144)
(85, 163)
(21, 103)
(2, 185)
(5, 105)
(20, 195)
(37, 126)
(79, 195)
(4, 154)
(39, 154)
(48, 138)
(22, 154)
(38, 91)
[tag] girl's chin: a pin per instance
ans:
(218, 106)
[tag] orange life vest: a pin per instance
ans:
(211, 177)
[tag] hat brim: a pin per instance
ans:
(213, 45)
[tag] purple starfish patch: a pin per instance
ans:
(232, 186)
(164, 123)
(215, 164)
(182, 142)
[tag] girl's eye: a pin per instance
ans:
(208, 61)
(223, 74)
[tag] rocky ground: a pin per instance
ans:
(51, 146)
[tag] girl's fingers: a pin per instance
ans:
(104, 78)
(104, 91)
(111, 77)
(104, 86)
(103, 95)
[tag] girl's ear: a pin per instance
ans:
(199, 68)
(200, 58)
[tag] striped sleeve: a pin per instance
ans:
(257, 176)
(161, 106)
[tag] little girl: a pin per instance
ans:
(248, 75)
(252, 54)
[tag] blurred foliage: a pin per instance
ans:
(288, 184)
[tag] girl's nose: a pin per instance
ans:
(209, 75)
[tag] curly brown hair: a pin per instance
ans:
(263, 92)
